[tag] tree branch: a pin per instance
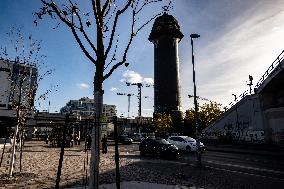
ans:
(147, 3)
(58, 12)
(146, 23)
(119, 12)
(106, 5)
(82, 46)
(125, 51)
(84, 33)
(113, 56)
(71, 26)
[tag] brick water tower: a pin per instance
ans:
(165, 36)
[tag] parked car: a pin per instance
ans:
(161, 148)
(137, 137)
(124, 139)
(185, 143)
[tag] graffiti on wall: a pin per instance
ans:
(240, 131)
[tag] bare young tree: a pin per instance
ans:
(101, 21)
(25, 64)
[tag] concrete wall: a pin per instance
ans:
(243, 122)
(275, 119)
(259, 117)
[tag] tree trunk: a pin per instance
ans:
(3, 150)
(12, 161)
(95, 148)
(21, 153)
(62, 151)
(116, 157)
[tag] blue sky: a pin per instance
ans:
(238, 38)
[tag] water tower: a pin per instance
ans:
(165, 36)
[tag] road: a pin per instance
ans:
(268, 168)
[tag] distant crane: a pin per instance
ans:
(128, 96)
(139, 85)
(201, 98)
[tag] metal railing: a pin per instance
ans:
(239, 98)
(270, 69)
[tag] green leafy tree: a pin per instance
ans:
(162, 122)
(207, 114)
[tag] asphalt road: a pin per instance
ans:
(266, 167)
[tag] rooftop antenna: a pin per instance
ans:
(167, 8)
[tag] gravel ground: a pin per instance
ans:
(40, 167)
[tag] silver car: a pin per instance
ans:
(185, 143)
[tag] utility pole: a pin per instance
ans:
(198, 151)
(139, 85)
(236, 104)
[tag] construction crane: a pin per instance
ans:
(139, 85)
(128, 96)
(201, 98)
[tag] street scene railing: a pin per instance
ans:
(268, 72)
(271, 68)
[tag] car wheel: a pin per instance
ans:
(188, 148)
(174, 156)
(158, 154)
(142, 153)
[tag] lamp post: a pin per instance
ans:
(198, 152)
(236, 104)
(250, 83)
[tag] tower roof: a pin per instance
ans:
(165, 25)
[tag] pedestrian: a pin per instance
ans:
(104, 144)
(72, 140)
(46, 139)
(75, 139)
(89, 141)
(78, 139)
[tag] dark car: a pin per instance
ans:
(124, 139)
(160, 148)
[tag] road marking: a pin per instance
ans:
(246, 167)
(240, 172)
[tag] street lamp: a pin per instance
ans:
(236, 104)
(250, 83)
(198, 152)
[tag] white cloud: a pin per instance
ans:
(113, 89)
(246, 46)
(134, 77)
(148, 81)
(83, 85)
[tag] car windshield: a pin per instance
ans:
(189, 139)
(163, 141)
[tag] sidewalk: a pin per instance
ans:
(139, 185)
(2, 146)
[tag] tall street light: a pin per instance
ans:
(198, 152)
